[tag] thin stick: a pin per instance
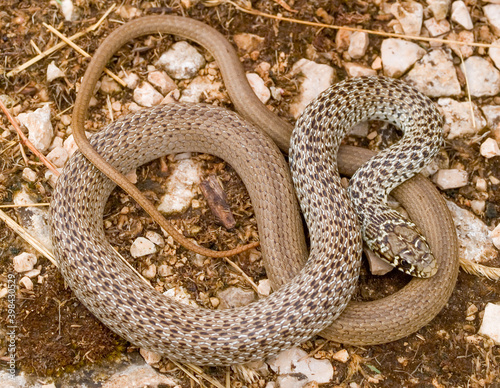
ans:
(59, 45)
(81, 51)
(25, 141)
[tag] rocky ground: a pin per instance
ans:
(59, 343)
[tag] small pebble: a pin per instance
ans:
(26, 282)
(149, 272)
(58, 156)
(165, 270)
(150, 357)
(155, 238)
(490, 326)
(410, 14)
(358, 44)
(489, 148)
(447, 179)
(435, 75)
(264, 287)
(131, 79)
(259, 87)
(495, 236)
(460, 14)
(341, 356)
(492, 13)
(142, 247)
(248, 42)
(398, 56)
(162, 81)
(39, 127)
(53, 72)
(29, 175)
(483, 78)
(478, 206)
(146, 95)
(109, 85)
(481, 185)
(24, 262)
(181, 61)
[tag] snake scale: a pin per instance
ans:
(310, 294)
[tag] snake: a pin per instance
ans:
(313, 285)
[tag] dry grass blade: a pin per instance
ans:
(60, 45)
(476, 269)
(24, 205)
(23, 233)
(247, 278)
(353, 29)
(82, 52)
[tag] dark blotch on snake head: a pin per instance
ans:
(399, 242)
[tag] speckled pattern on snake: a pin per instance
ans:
(311, 296)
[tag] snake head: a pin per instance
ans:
(399, 242)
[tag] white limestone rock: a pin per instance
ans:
(435, 75)
(439, 8)
(489, 148)
(494, 53)
(341, 356)
(437, 27)
(146, 95)
(316, 78)
(33, 219)
(235, 297)
(475, 243)
(248, 42)
(451, 178)
(39, 127)
(181, 61)
(29, 175)
(131, 79)
(492, 13)
(161, 81)
(180, 187)
(142, 247)
(357, 70)
(460, 14)
(490, 326)
(264, 287)
(109, 85)
(410, 15)
(151, 358)
(58, 156)
(483, 77)
(140, 376)
(358, 44)
(399, 55)
(259, 87)
(296, 361)
(199, 87)
(495, 236)
(67, 9)
(457, 117)
(155, 238)
(24, 262)
(26, 282)
(53, 72)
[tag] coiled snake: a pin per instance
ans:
(305, 304)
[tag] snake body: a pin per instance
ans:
(309, 299)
